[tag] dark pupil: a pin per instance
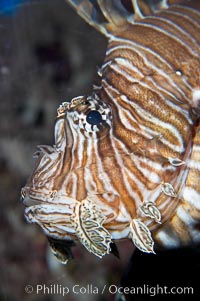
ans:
(94, 117)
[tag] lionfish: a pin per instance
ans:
(126, 159)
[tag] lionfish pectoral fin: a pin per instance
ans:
(61, 249)
(104, 15)
(114, 12)
(87, 220)
(87, 11)
(141, 236)
(137, 9)
(107, 16)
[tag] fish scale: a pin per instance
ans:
(126, 159)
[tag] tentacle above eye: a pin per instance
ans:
(83, 113)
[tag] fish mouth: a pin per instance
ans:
(30, 197)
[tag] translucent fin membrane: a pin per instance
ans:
(107, 16)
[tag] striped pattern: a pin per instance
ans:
(150, 86)
(147, 148)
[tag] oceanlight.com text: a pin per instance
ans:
(151, 290)
(90, 289)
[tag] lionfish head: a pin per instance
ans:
(80, 124)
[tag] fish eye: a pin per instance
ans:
(94, 117)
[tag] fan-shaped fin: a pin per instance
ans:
(107, 16)
(89, 13)
(104, 15)
(137, 9)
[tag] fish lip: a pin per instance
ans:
(29, 202)
(27, 199)
(31, 197)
